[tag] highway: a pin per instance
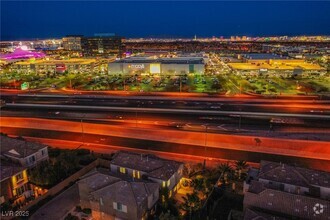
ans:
(207, 145)
(213, 128)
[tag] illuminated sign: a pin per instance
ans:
(137, 66)
(25, 86)
(155, 68)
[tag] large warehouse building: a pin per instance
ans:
(161, 66)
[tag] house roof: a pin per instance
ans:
(127, 192)
(261, 196)
(102, 184)
(258, 215)
(8, 169)
(284, 173)
(176, 60)
(13, 147)
(96, 179)
(154, 166)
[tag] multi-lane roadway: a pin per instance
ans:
(271, 120)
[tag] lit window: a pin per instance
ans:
(136, 174)
(20, 190)
(164, 184)
(168, 183)
(19, 177)
(122, 170)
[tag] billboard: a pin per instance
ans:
(155, 68)
(60, 68)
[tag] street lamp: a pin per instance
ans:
(82, 130)
(240, 120)
(205, 144)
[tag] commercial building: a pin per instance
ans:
(111, 197)
(72, 42)
(103, 45)
(74, 65)
(21, 54)
(27, 154)
(160, 66)
(288, 191)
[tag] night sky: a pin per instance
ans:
(26, 19)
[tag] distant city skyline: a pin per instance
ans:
(24, 20)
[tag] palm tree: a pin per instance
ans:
(191, 203)
(239, 166)
(198, 184)
(225, 170)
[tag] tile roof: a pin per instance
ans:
(8, 169)
(154, 166)
(18, 148)
(97, 179)
(284, 173)
(129, 193)
(258, 215)
(301, 206)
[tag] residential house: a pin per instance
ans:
(167, 173)
(291, 179)
(28, 154)
(287, 191)
(13, 182)
(112, 198)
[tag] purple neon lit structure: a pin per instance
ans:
(19, 53)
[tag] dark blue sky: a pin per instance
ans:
(28, 19)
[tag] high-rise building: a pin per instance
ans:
(72, 42)
(103, 44)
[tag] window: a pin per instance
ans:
(43, 152)
(32, 159)
(122, 170)
(20, 191)
(19, 177)
(164, 184)
(101, 201)
(136, 174)
(168, 183)
(120, 207)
